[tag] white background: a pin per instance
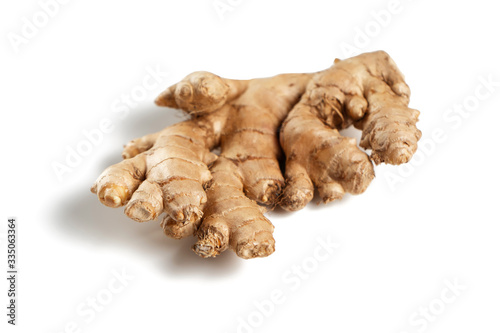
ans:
(399, 243)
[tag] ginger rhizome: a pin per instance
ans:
(257, 123)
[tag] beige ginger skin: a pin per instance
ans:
(258, 123)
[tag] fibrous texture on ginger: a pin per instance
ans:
(257, 123)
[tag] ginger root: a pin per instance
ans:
(257, 123)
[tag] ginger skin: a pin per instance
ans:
(221, 199)
(367, 91)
